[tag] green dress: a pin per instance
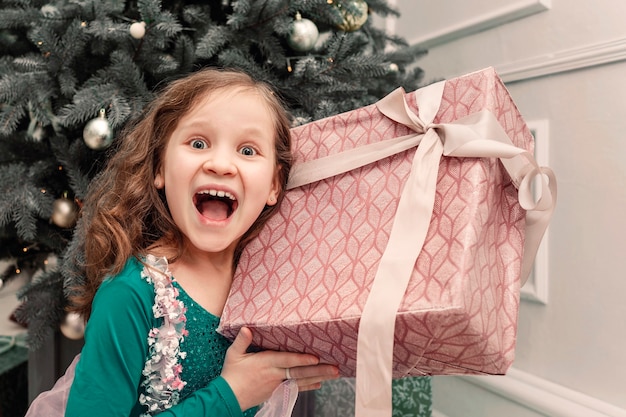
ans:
(109, 374)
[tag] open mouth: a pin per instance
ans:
(215, 205)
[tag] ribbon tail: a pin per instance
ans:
(537, 223)
(377, 326)
(282, 401)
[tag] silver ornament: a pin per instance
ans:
(303, 34)
(73, 327)
(97, 133)
(64, 213)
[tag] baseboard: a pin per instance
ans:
(544, 397)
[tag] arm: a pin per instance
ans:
(109, 373)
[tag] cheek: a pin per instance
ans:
(175, 189)
(259, 191)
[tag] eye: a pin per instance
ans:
(198, 144)
(248, 151)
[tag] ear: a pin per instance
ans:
(159, 180)
(272, 198)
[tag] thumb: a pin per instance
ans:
(242, 341)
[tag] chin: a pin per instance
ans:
(213, 247)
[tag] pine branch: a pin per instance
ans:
(46, 291)
(21, 201)
(17, 17)
(213, 41)
(68, 156)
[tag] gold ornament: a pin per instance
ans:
(97, 132)
(303, 34)
(64, 213)
(73, 326)
(352, 20)
(138, 30)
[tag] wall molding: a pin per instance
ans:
(567, 60)
(474, 24)
(543, 396)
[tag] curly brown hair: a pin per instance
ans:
(124, 213)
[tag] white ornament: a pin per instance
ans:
(138, 30)
(73, 327)
(303, 34)
(393, 67)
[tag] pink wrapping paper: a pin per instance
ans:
(304, 283)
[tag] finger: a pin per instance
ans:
(313, 381)
(311, 387)
(242, 341)
(295, 360)
(321, 372)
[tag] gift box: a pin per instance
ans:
(403, 239)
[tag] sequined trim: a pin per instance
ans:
(162, 383)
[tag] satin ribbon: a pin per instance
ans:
(282, 401)
(476, 135)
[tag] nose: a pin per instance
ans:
(220, 162)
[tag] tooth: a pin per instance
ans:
(216, 193)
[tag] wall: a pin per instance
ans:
(564, 65)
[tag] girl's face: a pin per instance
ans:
(219, 169)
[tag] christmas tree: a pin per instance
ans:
(72, 73)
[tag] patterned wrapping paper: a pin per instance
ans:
(302, 285)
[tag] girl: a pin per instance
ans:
(192, 182)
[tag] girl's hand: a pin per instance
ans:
(254, 376)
